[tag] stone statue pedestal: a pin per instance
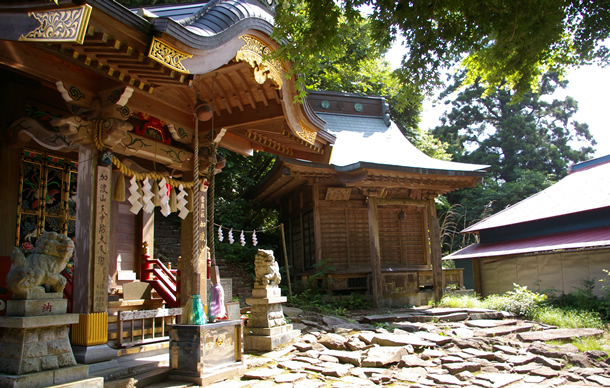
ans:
(267, 327)
(35, 344)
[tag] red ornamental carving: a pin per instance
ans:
(153, 129)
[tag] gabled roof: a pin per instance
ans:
(365, 134)
(362, 139)
(580, 239)
(370, 154)
(586, 188)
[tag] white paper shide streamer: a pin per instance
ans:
(242, 239)
(181, 202)
(254, 240)
(147, 196)
(134, 198)
(164, 198)
(231, 240)
(220, 235)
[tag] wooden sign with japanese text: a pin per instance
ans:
(102, 235)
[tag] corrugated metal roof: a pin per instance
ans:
(213, 17)
(368, 139)
(579, 239)
(582, 190)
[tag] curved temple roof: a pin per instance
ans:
(213, 17)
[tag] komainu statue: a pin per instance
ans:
(41, 270)
(266, 269)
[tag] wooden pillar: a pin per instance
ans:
(91, 259)
(476, 276)
(85, 210)
(375, 246)
(317, 225)
(435, 251)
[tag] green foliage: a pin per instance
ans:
(567, 318)
(460, 301)
(527, 143)
(583, 299)
(315, 295)
(504, 43)
(521, 301)
(592, 343)
(232, 209)
(530, 305)
(513, 137)
(352, 62)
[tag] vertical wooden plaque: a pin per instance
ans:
(102, 236)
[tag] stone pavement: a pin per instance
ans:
(435, 348)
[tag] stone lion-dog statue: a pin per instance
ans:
(266, 269)
(40, 271)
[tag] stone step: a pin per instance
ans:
(135, 364)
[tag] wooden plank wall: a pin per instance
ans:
(402, 241)
(128, 239)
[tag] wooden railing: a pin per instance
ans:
(144, 326)
(162, 279)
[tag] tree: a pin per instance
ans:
(528, 144)
(357, 66)
(501, 42)
(527, 135)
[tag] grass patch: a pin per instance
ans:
(529, 305)
(461, 301)
(587, 343)
(569, 319)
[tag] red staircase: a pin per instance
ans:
(162, 279)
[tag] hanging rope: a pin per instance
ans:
(153, 175)
(196, 196)
(211, 188)
(248, 231)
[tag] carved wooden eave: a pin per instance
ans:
(379, 182)
(111, 68)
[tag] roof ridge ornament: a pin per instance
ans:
(168, 55)
(253, 52)
(269, 4)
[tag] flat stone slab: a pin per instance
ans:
(388, 317)
(289, 378)
(499, 380)
(453, 317)
(384, 355)
(488, 323)
(446, 379)
(262, 374)
(436, 338)
(401, 340)
(557, 334)
(503, 330)
(39, 321)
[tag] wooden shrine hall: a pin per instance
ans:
(99, 102)
(369, 213)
